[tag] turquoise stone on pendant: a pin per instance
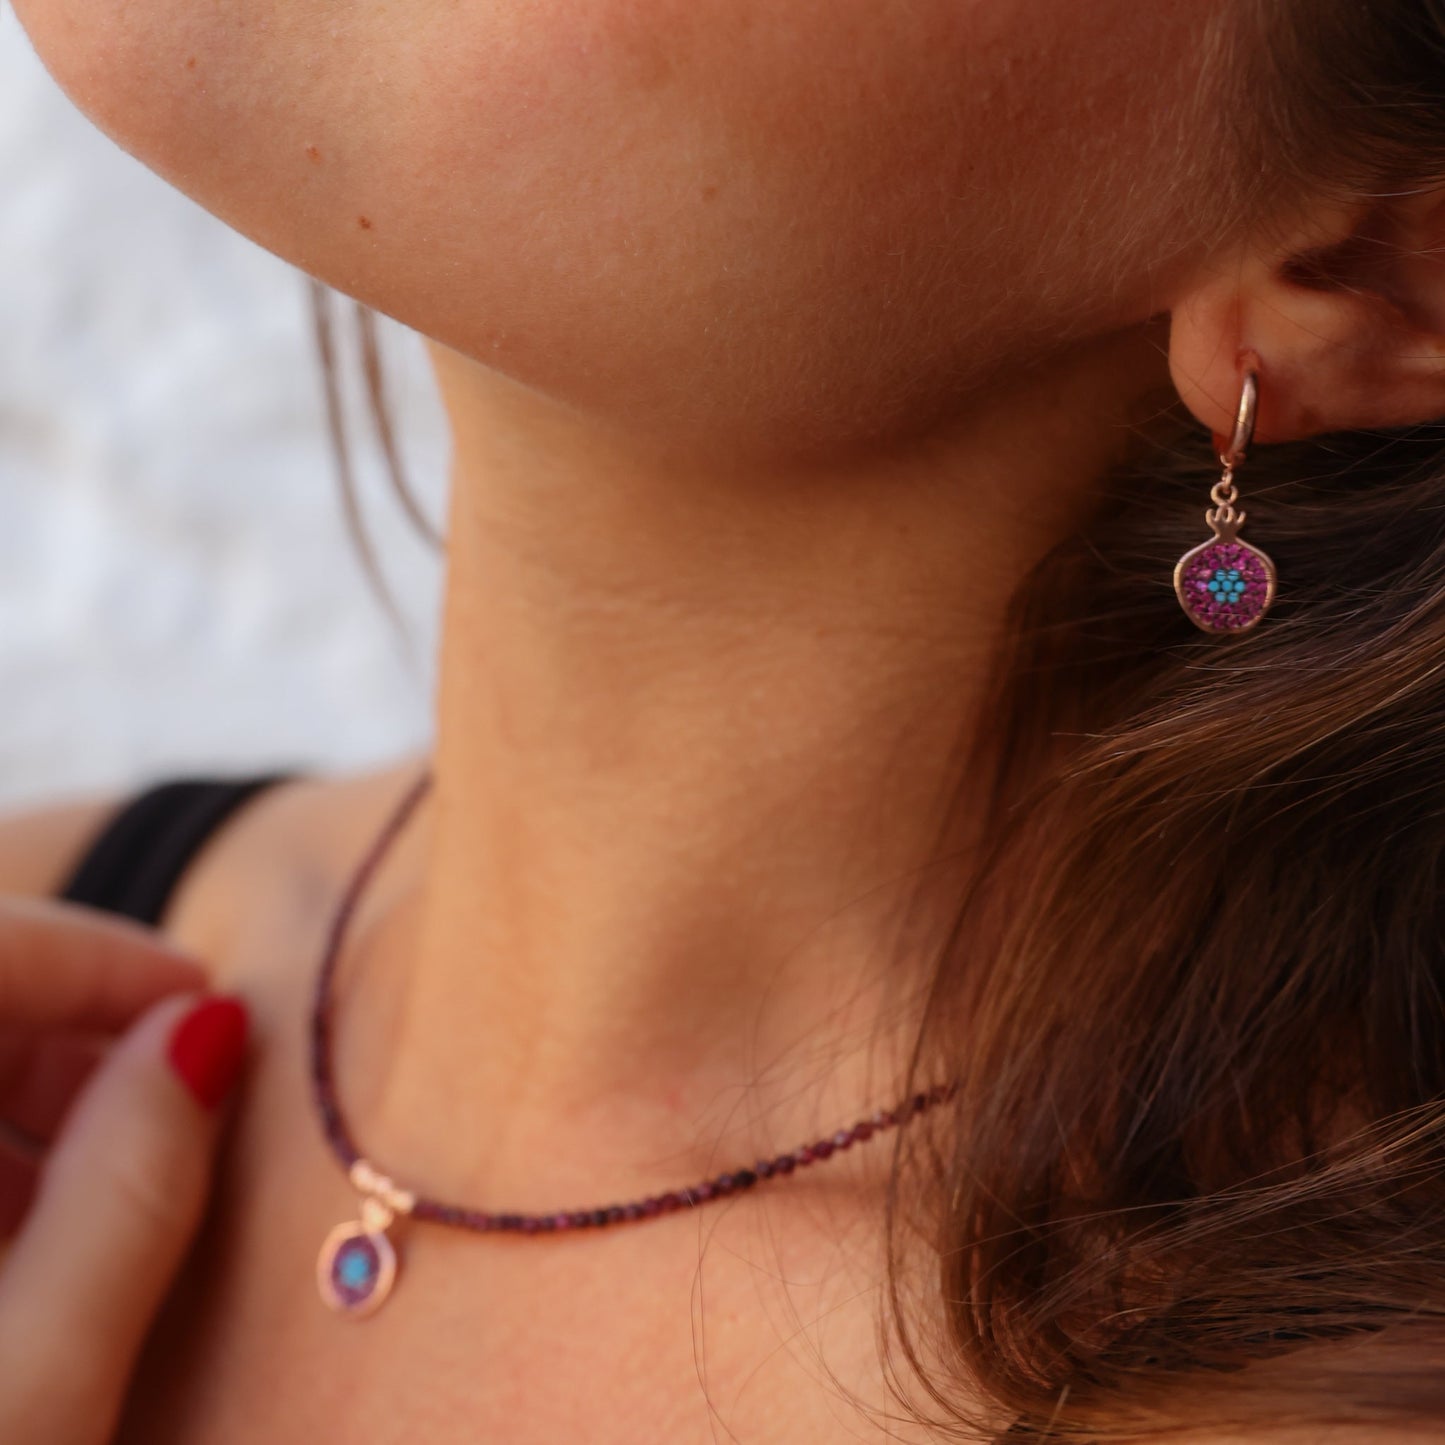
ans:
(357, 1266)
(356, 1269)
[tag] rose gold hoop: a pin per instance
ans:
(1244, 415)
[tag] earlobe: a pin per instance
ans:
(1345, 312)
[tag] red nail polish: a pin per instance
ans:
(208, 1046)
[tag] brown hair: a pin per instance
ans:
(1195, 995)
(377, 405)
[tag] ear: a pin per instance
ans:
(1341, 311)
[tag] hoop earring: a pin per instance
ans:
(1225, 585)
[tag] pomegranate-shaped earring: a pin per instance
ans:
(1225, 585)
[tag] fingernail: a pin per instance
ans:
(208, 1046)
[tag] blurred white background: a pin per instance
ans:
(177, 588)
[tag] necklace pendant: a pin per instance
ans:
(1224, 585)
(357, 1265)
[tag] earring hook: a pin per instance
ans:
(1244, 416)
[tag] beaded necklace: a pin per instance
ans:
(359, 1262)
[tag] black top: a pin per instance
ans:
(133, 865)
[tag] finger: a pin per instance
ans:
(63, 965)
(118, 1202)
(19, 1171)
(40, 1076)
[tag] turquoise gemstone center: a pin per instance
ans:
(355, 1268)
(1226, 585)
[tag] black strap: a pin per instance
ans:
(133, 865)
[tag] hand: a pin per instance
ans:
(113, 1066)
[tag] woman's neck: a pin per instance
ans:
(697, 730)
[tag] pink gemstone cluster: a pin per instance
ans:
(1226, 585)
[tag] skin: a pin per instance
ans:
(89, 1242)
(777, 344)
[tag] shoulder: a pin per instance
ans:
(270, 876)
(40, 845)
(268, 871)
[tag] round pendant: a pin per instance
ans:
(1224, 586)
(356, 1269)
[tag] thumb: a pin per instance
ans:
(118, 1202)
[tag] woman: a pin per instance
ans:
(834, 389)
